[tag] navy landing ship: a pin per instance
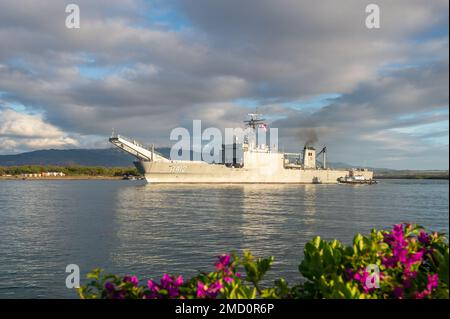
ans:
(256, 164)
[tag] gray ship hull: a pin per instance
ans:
(204, 173)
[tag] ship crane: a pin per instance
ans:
(324, 157)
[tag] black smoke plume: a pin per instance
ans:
(309, 135)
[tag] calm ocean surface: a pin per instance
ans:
(128, 227)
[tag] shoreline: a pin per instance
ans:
(415, 178)
(80, 177)
(418, 176)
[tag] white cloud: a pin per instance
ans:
(19, 131)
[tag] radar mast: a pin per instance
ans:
(256, 123)
(255, 120)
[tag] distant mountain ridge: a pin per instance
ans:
(108, 157)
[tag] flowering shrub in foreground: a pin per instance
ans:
(408, 263)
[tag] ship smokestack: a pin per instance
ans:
(309, 157)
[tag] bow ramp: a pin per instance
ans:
(136, 149)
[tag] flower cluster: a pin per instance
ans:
(226, 268)
(407, 254)
(404, 262)
(401, 247)
(224, 274)
(169, 287)
(204, 286)
(367, 280)
(211, 291)
(433, 281)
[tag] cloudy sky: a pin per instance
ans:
(376, 97)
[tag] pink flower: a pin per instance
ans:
(166, 280)
(133, 279)
(400, 253)
(173, 292)
(153, 286)
(433, 281)
(224, 261)
(416, 257)
(398, 233)
(201, 290)
(424, 238)
(409, 274)
(362, 278)
(228, 279)
(421, 295)
(154, 290)
(178, 281)
(214, 289)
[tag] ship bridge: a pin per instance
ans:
(136, 149)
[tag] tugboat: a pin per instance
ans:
(356, 179)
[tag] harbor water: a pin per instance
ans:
(128, 227)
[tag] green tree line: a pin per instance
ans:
(74, 170)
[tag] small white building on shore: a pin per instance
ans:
(44, 174)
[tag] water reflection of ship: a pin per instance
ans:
(163, 225)
(262, 217)
(309, 201)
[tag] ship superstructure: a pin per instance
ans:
(251, 162)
